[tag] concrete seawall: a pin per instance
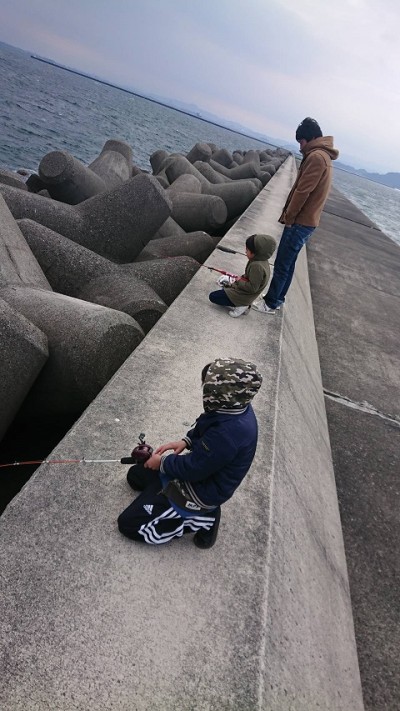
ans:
(355, 284)
(92, 621)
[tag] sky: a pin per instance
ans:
(265, 64)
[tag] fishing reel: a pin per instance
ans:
(140, 454)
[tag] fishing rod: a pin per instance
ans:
(231, 251)
(140, 454)
(234, 251)
(228, 274)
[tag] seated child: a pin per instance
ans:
(183, 494)
(241, 293)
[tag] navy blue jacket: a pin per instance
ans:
(222, 448)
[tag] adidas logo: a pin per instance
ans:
(148, 508)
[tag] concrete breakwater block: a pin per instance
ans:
(236, 195)
(34, 184)
(68, 266)
(245, 170)
(197, 245)
(87, 250)
(252, 157)
(169, 228)
(114, 164)
(200, 151)
(185, 183)
(195, 212)
(178, 166)
(87, 344)
(222, 156)
(167, 276)
(270, 168)
(67, 179)
(7, 177)
(156, 159)
(24, 352)
(71, 269)
(213, 176)
(116, 224)
(160, 170)
(126, 292)
(17, 263)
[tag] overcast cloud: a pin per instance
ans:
(265, 64)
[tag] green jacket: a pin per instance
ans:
(243, 293)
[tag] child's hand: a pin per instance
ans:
(226, 280)
(153, 463)
(177, 447)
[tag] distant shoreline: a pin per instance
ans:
(154, 101)
(371, 177)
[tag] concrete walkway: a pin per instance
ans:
(355, 284)
(93, 622)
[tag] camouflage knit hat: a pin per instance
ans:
(230, 384)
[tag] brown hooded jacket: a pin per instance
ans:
(308, 195)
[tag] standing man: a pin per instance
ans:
(302, 211)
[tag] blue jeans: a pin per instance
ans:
(219, 297)
(292, 240)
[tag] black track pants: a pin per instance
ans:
(150, 518)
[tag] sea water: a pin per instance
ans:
(45, 108)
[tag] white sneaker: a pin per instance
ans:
(239, 311)
(262, 307)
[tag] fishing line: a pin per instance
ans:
(69, 461)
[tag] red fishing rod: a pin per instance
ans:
(222, 271)
(140, 454)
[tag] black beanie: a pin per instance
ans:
(308, 129)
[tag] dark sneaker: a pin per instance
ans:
(206, 539)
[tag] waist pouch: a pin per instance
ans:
(175, 491)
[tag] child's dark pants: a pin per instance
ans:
(150, 518)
